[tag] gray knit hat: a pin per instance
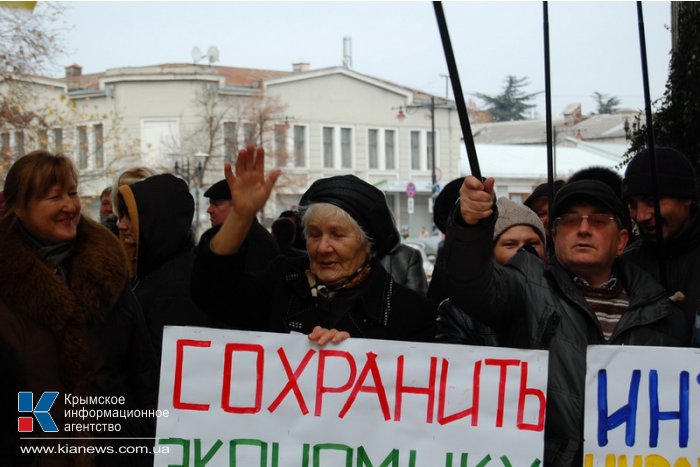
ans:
(511, 213)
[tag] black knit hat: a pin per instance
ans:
(444, 202)
(219, 190)
(591, 191)
(602, 174)
(364, 202)
(675, 175)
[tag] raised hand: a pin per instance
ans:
(250, 190)
(249, 187)
(476, 199)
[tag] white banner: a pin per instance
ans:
(262, 399)
(642, 407)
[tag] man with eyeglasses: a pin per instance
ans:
(585, 295)
(680, 225)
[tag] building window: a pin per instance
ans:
(230, 140)
(422, 150)
(58, 140)
(82, 147)
(327, 147)
(415, 150)
(6, 148)
(98, 133)
(389, 151)
(380, 149)
(250, 131)
(281, 145)
(43, 139)
(19, 143)
(346, 148)
(299, 146)
(429, 145)
(373, 148)
(337, 147)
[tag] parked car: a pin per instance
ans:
(429, 245)
(428, 262)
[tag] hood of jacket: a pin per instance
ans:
(161, 210)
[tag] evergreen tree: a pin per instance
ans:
(606, 105)
(676, 123)
(512, 103)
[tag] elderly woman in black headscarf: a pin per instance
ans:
(338, 290)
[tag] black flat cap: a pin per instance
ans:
(219, 190)
(543, 190)
(591, 191)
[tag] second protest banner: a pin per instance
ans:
(262, 399)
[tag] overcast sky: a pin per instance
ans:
(594, 45)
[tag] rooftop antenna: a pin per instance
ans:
(347, 51)
(212, 55)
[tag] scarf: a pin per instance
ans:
(55, 255)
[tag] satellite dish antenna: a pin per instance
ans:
(196, 54)
(213, 54)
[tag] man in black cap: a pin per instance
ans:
(585, 295)
(680, 224)
(262, 247)
(219, 202)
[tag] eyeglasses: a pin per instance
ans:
(572, 220)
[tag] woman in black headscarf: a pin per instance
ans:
(338, 290)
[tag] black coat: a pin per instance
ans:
(682, 265)
(164, 207)
(86, 338)
(280, 300)
(544, 305)
(405, 265)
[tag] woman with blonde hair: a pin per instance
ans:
(68, 320)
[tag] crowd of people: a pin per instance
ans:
(83, 305)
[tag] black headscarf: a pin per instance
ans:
(363, 202)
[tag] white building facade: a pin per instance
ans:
(312, 124)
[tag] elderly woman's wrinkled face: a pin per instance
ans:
(336, 248)
(53, 218)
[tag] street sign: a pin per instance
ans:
(411, 205)
(410, 189)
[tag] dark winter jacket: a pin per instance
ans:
(280, 300)
(455, 326)
(405, 265)
(86, 337)
(543, 303)
(261, 248)
(682, 264)
(161, 209)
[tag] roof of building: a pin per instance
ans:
(530, 161)
(594, 127)
(247, 77)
